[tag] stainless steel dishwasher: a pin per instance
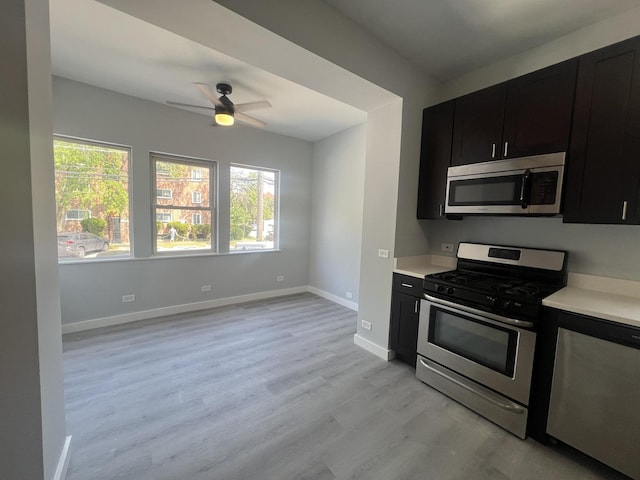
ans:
(595, 394)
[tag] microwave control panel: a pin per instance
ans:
(544, 186)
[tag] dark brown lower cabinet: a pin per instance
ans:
(405, 313)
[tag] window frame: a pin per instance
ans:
(164, 221)
(193, 198)
(78, 219)
(129, 221)
(276, 207)
(198, 163)
(170, 196)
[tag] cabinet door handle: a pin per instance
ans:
(506, 148)
(493, 150)
(441, 210)
(408, 285)
(415, 307)
(624, 210)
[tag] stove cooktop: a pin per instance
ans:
(501, 295)
(492, 284)
(506, 281)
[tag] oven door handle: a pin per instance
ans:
(498, 318)
(511, 407)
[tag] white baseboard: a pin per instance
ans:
(63, 462)
(175, 309)
(369, 346)
(334, 298)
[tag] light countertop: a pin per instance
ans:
(600, 297)
(422, 265)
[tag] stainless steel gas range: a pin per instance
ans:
(477, 330)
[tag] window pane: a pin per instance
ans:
(182, 233)
(253, 209)
(184, 220)
(164, 193)
(92, 195)
(178, 186)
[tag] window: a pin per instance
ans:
(75, 214)
(163, 170)
(253, 208)
(164, 193)
(184, 225)
(92, 196)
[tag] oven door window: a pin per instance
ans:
(483, 343)
(501, 190)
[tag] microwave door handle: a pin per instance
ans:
(525, 189)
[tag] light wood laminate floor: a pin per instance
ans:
(275, 390)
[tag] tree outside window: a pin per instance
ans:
(253, 208)
(92, 197)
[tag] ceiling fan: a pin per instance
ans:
(226, 112)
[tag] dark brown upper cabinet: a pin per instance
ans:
(539, 110)
(529, 115)
(603, 173)
(435, 158)
(478, 124)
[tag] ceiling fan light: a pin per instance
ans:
(225, 119)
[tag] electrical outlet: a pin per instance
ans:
(128, 298)
(366, 325)
(206, 288)
(280, 278)
(447, 247)
(383, 253)
(348, 295)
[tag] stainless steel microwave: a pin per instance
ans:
(518, 186)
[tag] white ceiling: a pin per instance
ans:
(445, 38)
(127, 55)
(448, 38)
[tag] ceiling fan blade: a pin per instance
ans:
(206, 91)
(245, 107)
(246, 119)
(178, 104)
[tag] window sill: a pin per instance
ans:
(166, 257)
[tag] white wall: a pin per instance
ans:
(608, 250)
(336, 218)
(32, 431)
(93, 290)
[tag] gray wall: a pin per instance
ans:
(336, 218)
(94, 290)
(390, 192)
(348, 45)
(31, 399)
(607, 250)
(581, 41)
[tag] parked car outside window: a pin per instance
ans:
(72, 244)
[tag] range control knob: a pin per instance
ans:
(491, 300)
(450, 290)
(439, 288)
